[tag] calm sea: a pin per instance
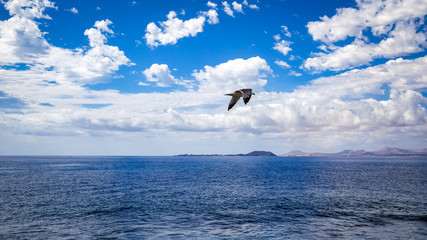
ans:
(213, 198)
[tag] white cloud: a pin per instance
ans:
(143, 84)
(328, 112)
(227, 8)
(293, 73)
(212, 16)
(282, 63)
(378, 15)
(286, 31)
(22, 42)
(237, 7)
(173, 29)
(118, 115)
(253, 6)
(336, 109)
(20, 37)
(352, 55)
(399, 74)
(103, 25)
(234, 74)
(395, 23)
(282, 45)
(211, 4)
(74, 10)
(403, 39)
(161, 75)
(28, 9)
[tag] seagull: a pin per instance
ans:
(245, 93)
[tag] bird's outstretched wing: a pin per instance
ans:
(247, 94)
(233, 102)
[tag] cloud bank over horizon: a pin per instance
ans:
(46, 93)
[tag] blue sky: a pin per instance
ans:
(149, 77)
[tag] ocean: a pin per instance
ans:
(221, 197)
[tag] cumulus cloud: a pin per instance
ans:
(332, 108)
(282, 45)
(173, 29)
(103, 25)
(253, 6)
(116, 114)
(234, 74)
(338, 104)
(20, 37)
(211, 4)
(22, 42)
(378, 15)
(74, 10)
(395, 23)
(98, 61)
(48, 95)
(212, 16)
(342, 103)
(227, 8)
(28, 9)
(237, 7)
(161, 75)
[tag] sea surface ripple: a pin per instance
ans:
(212, 198)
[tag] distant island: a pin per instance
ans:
(387, 151)
(251, 154)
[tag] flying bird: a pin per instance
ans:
(245, 93)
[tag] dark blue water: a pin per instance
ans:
(212, 197)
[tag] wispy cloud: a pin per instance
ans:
(286, 32)
(282, 63)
